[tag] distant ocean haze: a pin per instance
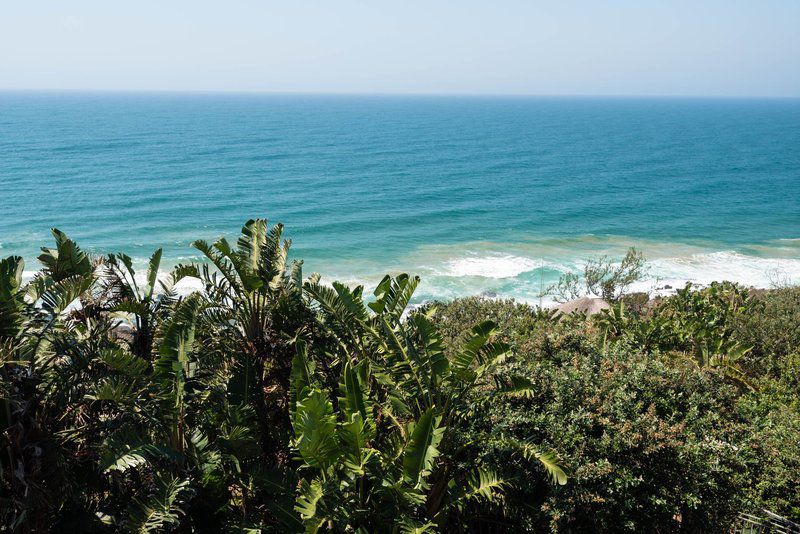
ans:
(475, 194)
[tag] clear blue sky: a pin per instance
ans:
(600, 47)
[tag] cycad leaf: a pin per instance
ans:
(549, 459)
(479, 484)
(161, 509)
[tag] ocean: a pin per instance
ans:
(477, 195)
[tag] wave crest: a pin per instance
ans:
(491, 266)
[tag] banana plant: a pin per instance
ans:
(256, 305)
(141, 306)
(33, 317)
(422, 394)
(361, 470)
(245, 407)
(698, 326)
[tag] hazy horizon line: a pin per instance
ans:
(246, 92)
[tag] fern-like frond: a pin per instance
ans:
(548, 459)
(161, 509)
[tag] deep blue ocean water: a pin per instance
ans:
(476, 194)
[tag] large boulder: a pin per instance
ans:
(587, 305)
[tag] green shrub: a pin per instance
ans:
(602, 277)
(650, 447)
(772, 329)
(772, 451)
(653, 442)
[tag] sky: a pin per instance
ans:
(566, 47)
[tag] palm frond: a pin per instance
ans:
(125, 449)
(161, 509)
(548, 459)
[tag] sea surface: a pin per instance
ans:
(475, 194)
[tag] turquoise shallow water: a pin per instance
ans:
(475, 194)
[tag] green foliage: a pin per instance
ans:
(648, 432)
(161, 509)
(402, 396)
(272, 403)
(771, 450)
(637, 437)
(263, 403)
(771, 328)
(695, 325)
(65, 260)
(12, 303)
(602, 277)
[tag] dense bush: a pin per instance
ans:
(772, 451)
(771, 327)
(649, 445)
(653, 441)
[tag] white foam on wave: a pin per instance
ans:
(451, 274)
(727, 265)
(501, 275)
(700, 268)
(183, 287)
(491, 266)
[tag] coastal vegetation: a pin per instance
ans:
(270, 401)
(602, 277)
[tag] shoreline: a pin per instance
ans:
(653, 287)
